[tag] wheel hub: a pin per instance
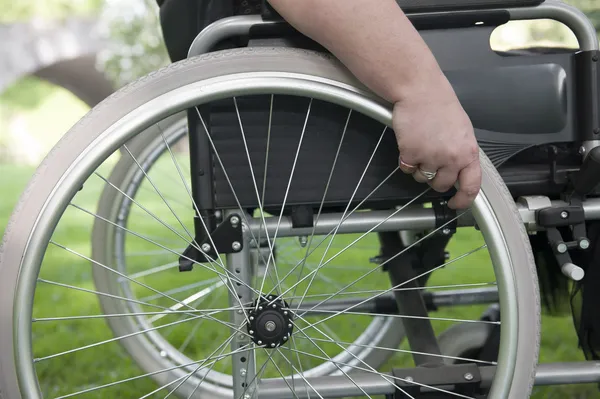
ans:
(270, 322)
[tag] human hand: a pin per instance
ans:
(435, 135)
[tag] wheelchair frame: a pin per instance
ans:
(586, 133)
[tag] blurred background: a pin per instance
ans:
(58, 58)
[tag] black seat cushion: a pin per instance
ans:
(445, 5)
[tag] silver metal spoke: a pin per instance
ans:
(197, 325)
(424, 288)
(264, 183)
(360, 360)
(343, 219)
(171, 199)
(362, 176)
(168, 384)
(230, 286)
(381, 265)
(158, 191)
(133, 335)
(257, 376)
(293, 342)
(287, 190)
(392, 288)
(181, 289)
(199, 296)
(331, 360)
(237, 200)
(312, 235)
(189, 192)
(292, 390)
(211, 260)
(119, 273)
(360, 238)
(258, 198)
(404, 351)
(399, 316)
(186, 240)
(154, 270)
(110, 296)
(296, 370)
(138, 377)
(109, 315)
(221, 347)
(384, 376)
(149, 253)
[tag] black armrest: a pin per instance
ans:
(413, 6)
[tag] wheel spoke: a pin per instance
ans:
(392, 288)
(258, 197)
(138, 377)
(109, 315)
(343, 219)
(181, 289)
(396, 350)
(336, 229)
(361, 237)
(399, 316)
(147, 211)
(312, 235)
(331, 360)
(293, 342)
(384, 376)
(301, 375)
(158, 191)
(360, 360)
(285, 197)
(230, 184)
(120, 274)
(431, 287)
(292, 390)
(199, 296)
(257, 376)
(208, 315)
(189, 312)
(222, 348)
(211, 260)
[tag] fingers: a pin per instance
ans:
(444, 180)
(407, 168)
(420, 174)
(469, 184)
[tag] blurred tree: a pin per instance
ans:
(135, 45)
(590, 7)
(21, 10)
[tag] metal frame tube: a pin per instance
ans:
(341, 386)
(411, 218)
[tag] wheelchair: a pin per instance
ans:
(279, 251)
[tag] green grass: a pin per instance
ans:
(110, 362)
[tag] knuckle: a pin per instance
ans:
(470, 191)
(441, 187)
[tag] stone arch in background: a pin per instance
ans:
(61, 52)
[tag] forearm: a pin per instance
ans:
(374, 39)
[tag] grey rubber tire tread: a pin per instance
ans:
(221, 64)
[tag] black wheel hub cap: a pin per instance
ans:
(270, 322)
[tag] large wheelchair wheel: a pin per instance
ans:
(264, 328)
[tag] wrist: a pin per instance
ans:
(423, 85)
